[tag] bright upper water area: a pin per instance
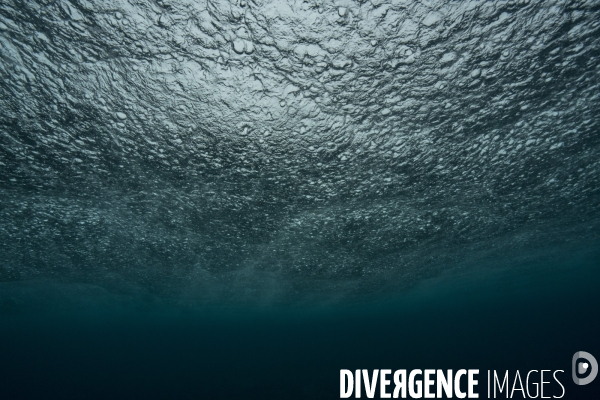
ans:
(277, 151)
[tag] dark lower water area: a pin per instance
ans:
(85, 342)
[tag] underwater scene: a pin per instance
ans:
(299, 199)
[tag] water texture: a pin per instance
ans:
(237, 199)
(274, 151)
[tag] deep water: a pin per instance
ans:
(534, 315)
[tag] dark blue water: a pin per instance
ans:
(527, 317)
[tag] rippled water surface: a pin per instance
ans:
(292, 150)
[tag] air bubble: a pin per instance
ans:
(238, 46)
(121, 116)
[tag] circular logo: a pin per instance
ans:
(582, 367)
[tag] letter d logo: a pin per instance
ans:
(582, 367)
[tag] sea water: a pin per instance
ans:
(85, 342)
(239, 199)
